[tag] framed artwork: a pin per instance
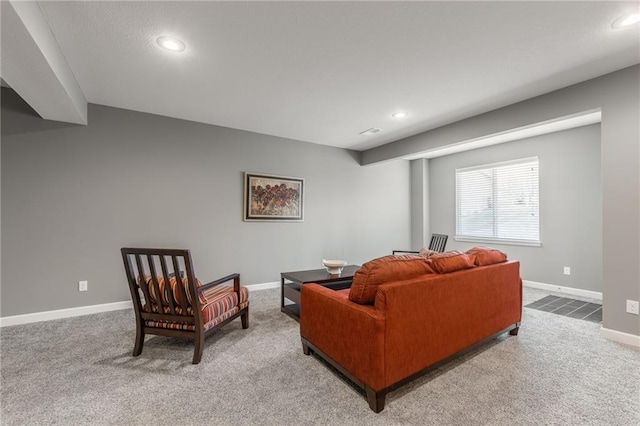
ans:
(272, 198)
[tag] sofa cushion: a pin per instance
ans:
(450, 261)
(385, 269)
(486, 256)
(425, 252)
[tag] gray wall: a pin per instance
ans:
(72, 196)
(618, 96)
(570, 205)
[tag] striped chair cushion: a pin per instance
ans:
(175, 291)
(220, 303)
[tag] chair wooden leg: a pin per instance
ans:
(305, 348)
(197, 352)
(137, 348)
(245, 319)
(514, 331)
(376, 399)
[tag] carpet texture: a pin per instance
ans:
(79, 371)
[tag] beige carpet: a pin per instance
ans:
(78, 371)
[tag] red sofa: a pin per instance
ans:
(405, 315)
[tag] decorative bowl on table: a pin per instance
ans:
(334, 266)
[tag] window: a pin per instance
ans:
(499, 203)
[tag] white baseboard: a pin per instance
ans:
(93, 309)
(263, 286)
(620, 337)
(63, 313)
(560, 289)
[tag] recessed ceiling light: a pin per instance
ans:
(626, 20)
(400, 114)
(172, 44)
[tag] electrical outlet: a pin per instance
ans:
(567, 270)
(633, 307)
(83, 285)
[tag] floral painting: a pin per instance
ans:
(273, 198)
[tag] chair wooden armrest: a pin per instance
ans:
(236, 282)
(404, 251)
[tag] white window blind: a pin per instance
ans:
(499, 202)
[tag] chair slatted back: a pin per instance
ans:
(146, 268)
(438, 242)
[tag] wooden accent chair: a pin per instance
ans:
(438, 243)
(186, 307)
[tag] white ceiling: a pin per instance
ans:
(323, 72)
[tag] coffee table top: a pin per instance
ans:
(320, 275)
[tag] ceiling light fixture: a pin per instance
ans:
(172, 44)
(399, 114)
(626, 20)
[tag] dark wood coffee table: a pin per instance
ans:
(292, 282)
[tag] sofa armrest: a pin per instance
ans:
(350, 334)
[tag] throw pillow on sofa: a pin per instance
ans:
(486, 256)
(426, 253)
(385, 269)
(451, 261)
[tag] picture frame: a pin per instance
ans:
(273, 198)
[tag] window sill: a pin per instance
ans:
(498, 241)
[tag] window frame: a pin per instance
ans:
(496, 240)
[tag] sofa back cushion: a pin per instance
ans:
(486, 256)
(382, 270)
(451, 261)
(426, 253)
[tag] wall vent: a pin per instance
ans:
(371, 131)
